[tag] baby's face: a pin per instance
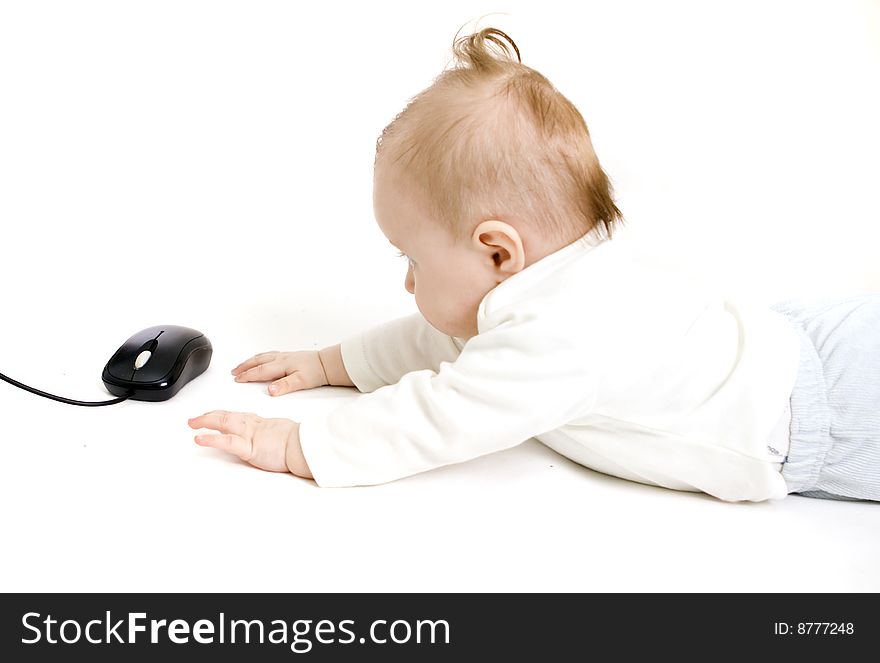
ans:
(448, 280)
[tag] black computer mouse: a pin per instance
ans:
(155, 363)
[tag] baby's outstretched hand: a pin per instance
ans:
(297, 370)
(270, 444)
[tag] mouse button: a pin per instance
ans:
(121, 364)
(119, 368)
(150, 346)
(156, 369)
(143, 337)
(164, 360)
(115, 369)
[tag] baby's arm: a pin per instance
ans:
(375, 358)
(382, 355)
(520, 378)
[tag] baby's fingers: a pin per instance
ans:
(233, 423)
(293, 382)
(254, 361)
(233, 444)
(263, 372)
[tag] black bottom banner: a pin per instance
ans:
(335, 627)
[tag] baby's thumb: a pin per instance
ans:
(286, 385)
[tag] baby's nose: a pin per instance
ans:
(410, 282)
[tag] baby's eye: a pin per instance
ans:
(401, 254)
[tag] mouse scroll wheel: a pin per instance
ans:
(142, 359)
(146, 351)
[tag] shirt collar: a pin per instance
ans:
(511, 287)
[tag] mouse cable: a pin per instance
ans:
(16, 383)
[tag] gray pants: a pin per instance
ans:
(835, 404)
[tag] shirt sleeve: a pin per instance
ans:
(507, 385)
(384, 354)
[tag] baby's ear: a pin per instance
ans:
(501, 243)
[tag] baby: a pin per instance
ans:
(533, 322)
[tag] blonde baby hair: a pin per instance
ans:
(493, 138)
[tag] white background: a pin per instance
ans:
(209, 164)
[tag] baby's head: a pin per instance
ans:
(483, 173)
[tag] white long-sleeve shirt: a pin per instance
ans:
(622, 366)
